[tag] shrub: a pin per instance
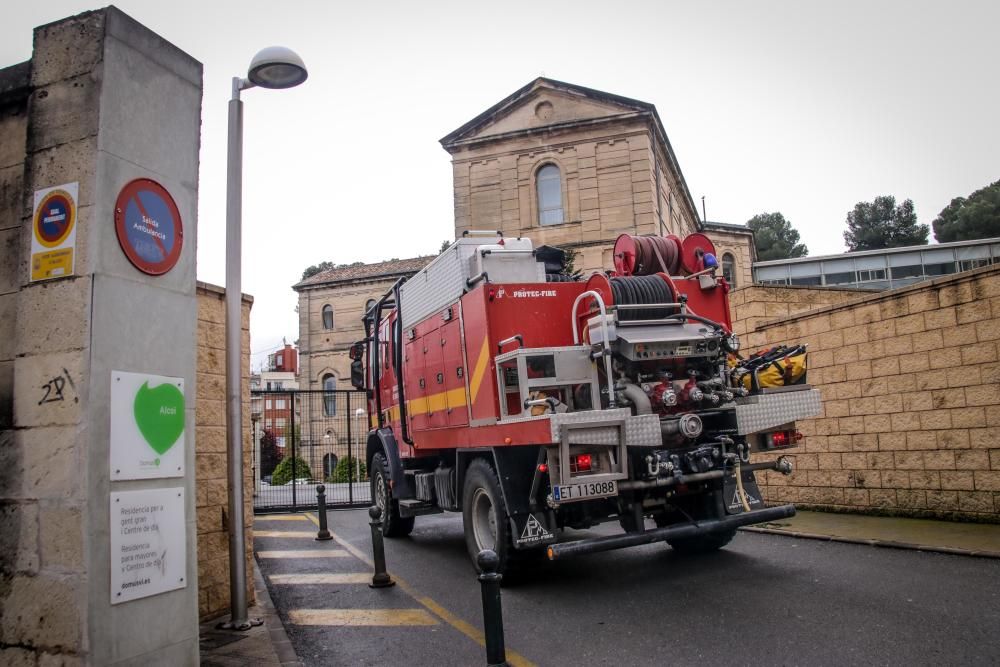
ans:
(345, 469)
(270, 455)
(283, 472)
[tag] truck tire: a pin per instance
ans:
(484, 514)
(393, 525)
(702, 544)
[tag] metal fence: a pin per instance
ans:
(303, 438)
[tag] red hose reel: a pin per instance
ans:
(646, 255)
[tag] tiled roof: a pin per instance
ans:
(393, 267)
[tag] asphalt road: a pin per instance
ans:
(763, 600)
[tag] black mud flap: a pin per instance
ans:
(731, 492)
(531, 526)
(531, 530)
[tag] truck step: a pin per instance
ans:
(412, 507)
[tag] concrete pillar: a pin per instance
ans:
(109, 102)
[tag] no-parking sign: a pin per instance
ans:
(53, 227)
(149, 226)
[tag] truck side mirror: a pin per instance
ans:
(357, 355)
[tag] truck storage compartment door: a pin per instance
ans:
(482, 382)
(434, 373)
(454, 371)
(416, 383)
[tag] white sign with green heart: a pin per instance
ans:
(147, 426)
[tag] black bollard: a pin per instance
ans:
(323, 533)
(381, 578)
(496, 653)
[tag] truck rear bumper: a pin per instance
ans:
(690, 529)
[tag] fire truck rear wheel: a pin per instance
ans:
(702, 544)
(484, 515)
(393, 525)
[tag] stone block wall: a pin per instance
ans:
(14, 91)
(211, 485)
(757, 304)
(607, 190)
(910, 380)
(42, 501)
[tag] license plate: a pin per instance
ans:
(569, 492)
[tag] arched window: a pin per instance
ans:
(327, 316)
(329, 398)
(549, 186)
(329, 465)
(368, 304)
(729, 269)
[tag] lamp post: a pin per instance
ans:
(327, 452)
(273, 67)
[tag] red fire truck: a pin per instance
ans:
(533, 402)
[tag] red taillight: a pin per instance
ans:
(782, 439)
(543, 467)
(580, 463)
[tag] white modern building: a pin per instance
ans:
(880, 269)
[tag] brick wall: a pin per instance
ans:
(911, 399)
(211, 487)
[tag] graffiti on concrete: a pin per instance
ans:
(55, 389)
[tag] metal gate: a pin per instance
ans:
(302, 438)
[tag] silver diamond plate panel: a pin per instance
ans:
(759, 413)
(640, 431)
(437, 285)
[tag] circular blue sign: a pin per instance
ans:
(149, 226)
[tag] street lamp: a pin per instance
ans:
(273, 67)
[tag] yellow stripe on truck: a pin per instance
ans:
(481, 363)
(455, 398)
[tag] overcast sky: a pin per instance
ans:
(800, 107)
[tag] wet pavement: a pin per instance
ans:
(767, 598)
(972, 539)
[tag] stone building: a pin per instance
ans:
(331, 304)
(558, 163)
(575, 167)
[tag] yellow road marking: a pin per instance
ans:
(477, 375)
(349, 578)
(303, 553)
(280, 517)
(283, 533)
(361, 617)
(467, 629)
